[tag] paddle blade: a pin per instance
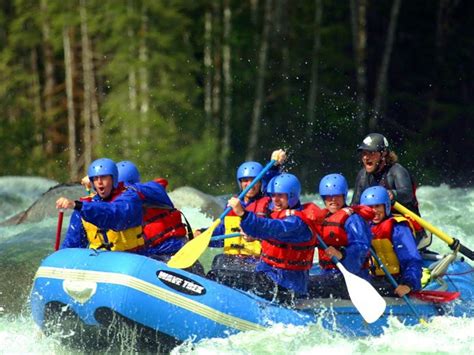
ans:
(193, 249)
(364, 296)
(435, 296)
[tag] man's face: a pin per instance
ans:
(244, 182)
(280, 202)
(334, 203)
(379, 211)
(103, 185)
(371, 160)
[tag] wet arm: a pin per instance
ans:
(403, 190)
(408, 256)
(122, 213)
(359, 238)
(75, 235)
(291, 229)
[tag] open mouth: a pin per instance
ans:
(369, 163)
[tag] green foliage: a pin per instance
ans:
(149, 73)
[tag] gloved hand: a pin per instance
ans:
(279, 155)
(86, 183)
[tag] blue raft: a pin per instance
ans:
(95, 287)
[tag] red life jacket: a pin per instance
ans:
(366, 212)
(383, 230)
(333, 233)
(259, 207)
(160, 224)
(291, 256)
(162, 181)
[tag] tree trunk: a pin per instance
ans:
(71, 117)
(88, 86)
(143, 70)
(36, 98)
(132, 86)
(216, 87)
(254, 12)
(208, 66)
(49, 81)
(259, 89)
(313, 89)
(226, 71)
(381, 86)
(89, 76)
(359, 38)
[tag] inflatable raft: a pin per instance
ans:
(90, 289)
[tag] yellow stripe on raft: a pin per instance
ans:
(151, 290)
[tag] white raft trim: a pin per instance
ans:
(149, 289)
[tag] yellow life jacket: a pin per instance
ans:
(382, 244)
(238, 245)
(126, 240)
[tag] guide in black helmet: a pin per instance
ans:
(381, 168)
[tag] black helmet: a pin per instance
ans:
(374, 142)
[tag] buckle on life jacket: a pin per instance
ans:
(105, 244)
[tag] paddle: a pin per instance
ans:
(225, 236)
(436, 296)
(394, 283)
(453, 243)
(363, 295)
(58, 229)
(192, 250)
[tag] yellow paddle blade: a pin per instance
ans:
(193, 249)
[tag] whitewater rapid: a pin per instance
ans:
(23, 246)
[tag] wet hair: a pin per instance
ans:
(391, 158)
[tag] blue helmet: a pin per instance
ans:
(128, 172)
(103, 167)
(248, 169)
(332, 185)
(286, 184)
(376, 195)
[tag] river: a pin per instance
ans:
(24, 245)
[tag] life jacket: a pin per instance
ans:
(126, 240)
(291, 256)
(383, 246)
(162, 181)
(332, 231)
(160, 224)
(238, 245)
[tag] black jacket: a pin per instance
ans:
(395, 178)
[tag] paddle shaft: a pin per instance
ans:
(192, 250)
(452, 242)
(394, 283)
(325, 246)
(58, 229)
(225, 236)
(249, 187)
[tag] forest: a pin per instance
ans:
(188, 90)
